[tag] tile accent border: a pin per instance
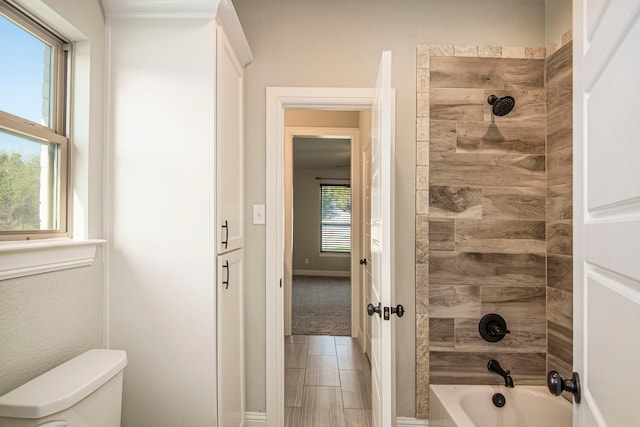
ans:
(555, 45)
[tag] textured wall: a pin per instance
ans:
(46, 319)
(559, 210)
(481, 194)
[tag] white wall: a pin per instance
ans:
(558, 20)
(338, 43)
(160, 206)
(47, 319)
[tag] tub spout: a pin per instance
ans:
(494, 366)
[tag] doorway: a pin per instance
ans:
(279, 100)
(321, 224)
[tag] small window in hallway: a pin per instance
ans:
(335, 218)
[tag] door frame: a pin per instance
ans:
(356, 228)
(279, 99)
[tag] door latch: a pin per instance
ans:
(398, 311)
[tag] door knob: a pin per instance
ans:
(363, 261)
(556, 384)
(372, 309)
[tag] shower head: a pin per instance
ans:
(501, 106)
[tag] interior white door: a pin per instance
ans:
(230, 339)
(606, 211)
(366, 237)
(382, 250)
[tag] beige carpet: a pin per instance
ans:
(321, 306)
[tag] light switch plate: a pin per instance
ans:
(258, 214)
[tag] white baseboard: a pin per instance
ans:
(259, 419)
(321, 273)
(255, 419)
(411, 422)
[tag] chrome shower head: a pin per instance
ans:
(501, 106)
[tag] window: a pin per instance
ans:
(335, 218)
(33, 128)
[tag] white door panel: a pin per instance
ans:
(382, 250)
(606, 210)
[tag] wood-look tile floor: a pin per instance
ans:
(327, 382)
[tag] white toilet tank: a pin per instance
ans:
(85, 391)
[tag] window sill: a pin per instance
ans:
(18, 259)
(335, 254)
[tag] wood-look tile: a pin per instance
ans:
(560, 167)
(448, 301)
(523, 73)
(500, 236)
(292, 417)
(293, 387)
(441, 334)
(442, 139)
(457, 104)
(449, 367)
(560, 272)
(560, 139)
(358, 418)
(455, 202)
(322, 345)
(474, 170)
(356, 389)
(513, 203)
(322, 407)
(560, 307)
(559, 63)
(559, 119)
(346, 341)
(322, 371)
(452, 268)
(559, 96)
(352, 357)
(456, 72)
(560, 342)
(560, 237)
(295, 355)
(560, 202)
(296, 339)
(442, 235)
(530, 106)
(527, 336)
(504, 137)
(514, 302)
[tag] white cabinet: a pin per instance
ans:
(174, 168)
(229, 146)
(229, 217)
(230, 341)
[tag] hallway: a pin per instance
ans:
(327, 382)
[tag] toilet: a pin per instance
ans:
(85, 391)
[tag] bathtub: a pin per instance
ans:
(472, 406)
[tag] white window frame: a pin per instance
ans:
(335, 253)
(58, 131)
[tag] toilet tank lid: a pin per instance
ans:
(64, 385)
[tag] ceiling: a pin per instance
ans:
(321, 153)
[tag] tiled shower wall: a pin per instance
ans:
(559, 211)
(481, 216)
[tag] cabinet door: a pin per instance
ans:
(229, 147)
(230, 309)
